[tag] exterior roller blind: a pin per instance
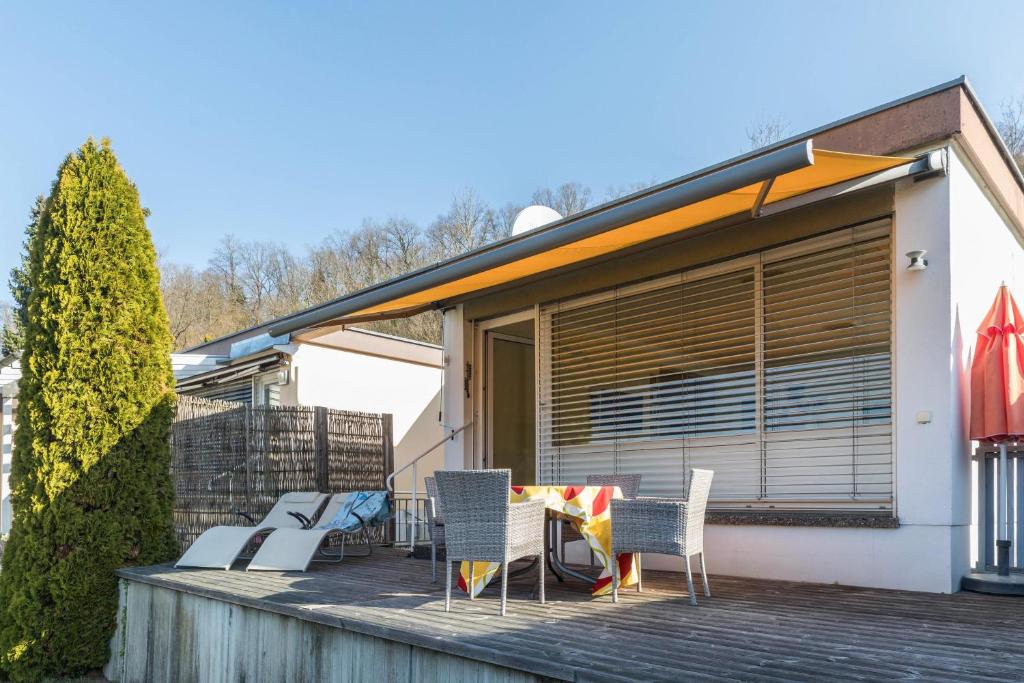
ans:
(239, 391)
(774, 371)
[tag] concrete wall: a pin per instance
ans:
(345, 380)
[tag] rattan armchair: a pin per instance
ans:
(629, 484)
(664, 526)
(435, 525)
(481, 525)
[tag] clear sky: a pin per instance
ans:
(287, 120)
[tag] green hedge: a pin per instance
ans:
(91, 487)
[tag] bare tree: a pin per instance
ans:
(1011, 128)
(469, 223)
(765, 131)
(404, 248)
(226, 263)
(567, 199)
(248, 283)
(618, 191)
(505, 217)
(196, 307)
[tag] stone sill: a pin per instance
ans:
(805, 518)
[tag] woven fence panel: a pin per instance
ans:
(282, 454)
(354, 452)
(228, 457)
(208, 446)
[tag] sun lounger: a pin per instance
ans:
(346, 513)
(220, 546)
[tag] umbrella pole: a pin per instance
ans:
(1002, 518)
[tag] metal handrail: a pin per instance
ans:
(390, 482)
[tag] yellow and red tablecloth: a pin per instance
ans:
(588, 507)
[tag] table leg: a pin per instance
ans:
(551, 545)
(523, 570)
(556, 566)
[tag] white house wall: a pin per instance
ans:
(936, 311)
(410, 392)
(985, 252)
(457, 403)
(928, 550)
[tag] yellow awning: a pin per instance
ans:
(829, 169)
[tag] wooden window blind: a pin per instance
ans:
(773, 370)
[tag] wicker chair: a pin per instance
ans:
(665, 526)
(629, 484)
(435, 525)
(481, 525)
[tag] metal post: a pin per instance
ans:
(979, 510)
(1019, 470)
(413, 511)
(988, 559)
(1002, 518)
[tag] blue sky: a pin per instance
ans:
(285, 121)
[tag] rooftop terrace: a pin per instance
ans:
(750, 630)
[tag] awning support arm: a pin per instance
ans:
(927, 165)
(762, 194)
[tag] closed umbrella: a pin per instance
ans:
(997, 398)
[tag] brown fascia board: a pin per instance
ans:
(903, 127)
(953, 113)
(988, 156)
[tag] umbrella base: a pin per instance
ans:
(992, 583)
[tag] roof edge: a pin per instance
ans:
(993, 131)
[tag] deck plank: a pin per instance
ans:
(750, 630)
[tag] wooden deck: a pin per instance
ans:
(749, 629)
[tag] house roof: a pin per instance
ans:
(908, 124)
(667, 209)
(222, 345)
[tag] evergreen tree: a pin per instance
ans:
(90, 478)
(13, 334)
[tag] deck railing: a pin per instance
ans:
(410, 522)
(418, 517)
(987, 495)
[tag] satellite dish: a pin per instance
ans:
(533, 217)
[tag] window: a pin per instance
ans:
(774, 370)
(267, 390)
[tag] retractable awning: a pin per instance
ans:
(689, 202)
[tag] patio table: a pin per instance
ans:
(588, 507)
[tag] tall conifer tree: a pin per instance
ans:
(91, 488)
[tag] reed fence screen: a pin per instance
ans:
(228, 457)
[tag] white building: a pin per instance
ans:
(10, 373)
(345, 369)
(758, 318)
(342, 368)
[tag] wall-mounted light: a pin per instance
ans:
(917, 260)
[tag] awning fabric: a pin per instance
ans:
(829, 168)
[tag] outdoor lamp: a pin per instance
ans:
(917, 260)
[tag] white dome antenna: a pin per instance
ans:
(533, 217)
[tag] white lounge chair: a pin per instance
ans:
(294, 549)
(220, 546)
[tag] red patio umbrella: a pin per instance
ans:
(997, 397)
